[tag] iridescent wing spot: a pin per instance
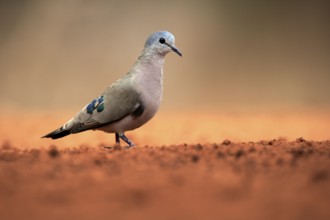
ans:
(97, 104)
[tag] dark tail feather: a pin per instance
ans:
(58, 133)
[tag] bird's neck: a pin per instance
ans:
(150, 64)
(150, 58)
(148, 75)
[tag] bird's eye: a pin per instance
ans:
(161, 40)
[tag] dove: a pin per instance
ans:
(129, 102)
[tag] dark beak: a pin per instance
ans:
(174, 49)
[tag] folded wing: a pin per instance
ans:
(118, 101)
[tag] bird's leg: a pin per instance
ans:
(124, 138)
(117, 139)
(117, 142)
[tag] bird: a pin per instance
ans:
(129, 102)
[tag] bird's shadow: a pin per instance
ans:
(117, 147)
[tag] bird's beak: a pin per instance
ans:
(174, 49)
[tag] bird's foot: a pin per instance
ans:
(125, 139)
(130, 146)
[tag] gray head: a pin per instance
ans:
(161, 42)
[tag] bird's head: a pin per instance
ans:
(161, 42)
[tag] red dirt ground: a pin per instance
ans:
(76, 178)
(267, 180)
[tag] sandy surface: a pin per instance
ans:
(266, 180)
(183, 168)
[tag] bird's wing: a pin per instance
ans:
(119, 100)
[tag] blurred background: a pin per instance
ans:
(238, 56)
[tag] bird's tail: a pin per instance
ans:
(58, 133)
